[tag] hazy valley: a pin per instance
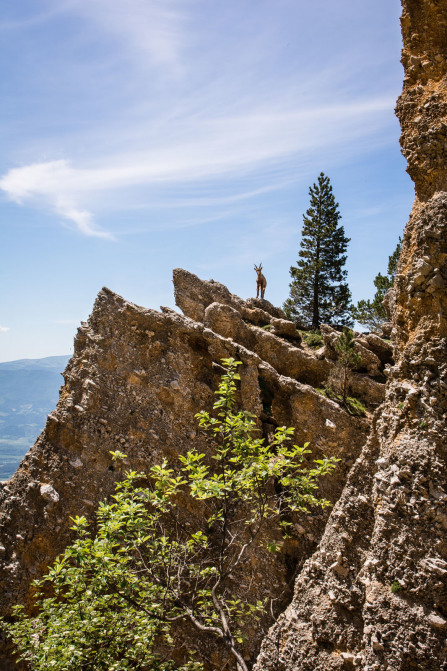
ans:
(29, 390)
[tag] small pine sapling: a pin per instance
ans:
(347, 359)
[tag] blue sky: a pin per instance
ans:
(142, 135)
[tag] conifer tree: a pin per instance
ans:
(346, 361)
(372, 313)
(319, 292)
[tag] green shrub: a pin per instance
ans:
(110, 601)
(396, 587)
(312, 339)
(351, 404)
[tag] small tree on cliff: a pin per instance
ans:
(339, 380)
(172, 554)
(319, 292)
(372, 313)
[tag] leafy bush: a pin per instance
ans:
(396, 587)
(116, 598)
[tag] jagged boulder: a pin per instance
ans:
(383, 349)
(286, 328)
(369, 361)
(227, 321)
(193, 295)
(263, 304)
(387, 328)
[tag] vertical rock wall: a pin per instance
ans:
(374, 595)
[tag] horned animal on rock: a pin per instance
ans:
(261, 282)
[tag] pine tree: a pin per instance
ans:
(372, 313)
(319, 292)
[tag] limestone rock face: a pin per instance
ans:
(422, 107)
(374, 595)
(193, 295)
(283, 327)
(374, 352)
(232, 317)
(383, 349)
(134, 383)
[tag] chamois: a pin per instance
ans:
(261, 282)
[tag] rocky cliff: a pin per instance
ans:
(371, 590)
(135, 381)
(374, 595)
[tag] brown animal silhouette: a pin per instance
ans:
(261, 282)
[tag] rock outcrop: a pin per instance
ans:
(193, 295)
(246, 322)
(374, 595)
(374, 352)
(135, 381)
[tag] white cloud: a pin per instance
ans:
(4, 329)
(50, 183)
(152, 28)
(239, 122)
(262, 141)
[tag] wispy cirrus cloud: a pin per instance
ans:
(198, 148)
(4, 329)
(52, 184)
(144, 27)
(207, 110)
(149, 28)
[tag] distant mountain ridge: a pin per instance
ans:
(29, 390)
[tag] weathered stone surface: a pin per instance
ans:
(383, 349)
(422, 107)
(387, 328)
(135, 381)
(263, 304)
(227, 322)
(389, 524)
(366, 346)
(285, 356)
(283, 327)
(330, 337)
(367, 389)
(193, 295)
